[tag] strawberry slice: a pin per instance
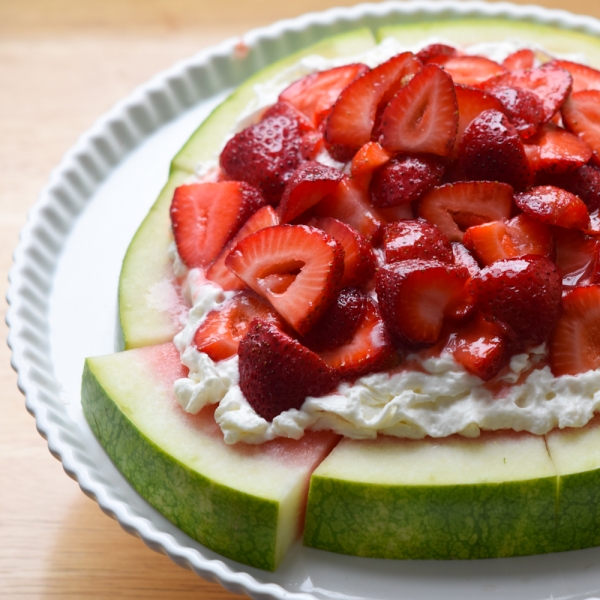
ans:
(436, 53)
(509, 239)
(422, 116)
(454, 207)
(472, 70)
(218, 272)
(577, 258)
(554, 206)
(405, 179)
(519, 60)
(550, 82)
(415, 296)
(575, 343)
(583, 182)
(522, 293)
(315, 94)
(369, 350)
(353, 116)
(554, 150)
(369, 157)
(416, 238)
(524, 109)
(309, 184)
(221, 331)
(205, 216)
(491, 149)
(463, 258)
(359, 259)
(584, 77)
(581, 115)
(277, 373)
(310, 261)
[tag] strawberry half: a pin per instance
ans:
(584, 77)
(205, 216)
(353, 116)
(369, 157)
(456, 206)
(221, 331)
(416, 238)
(519, 60)
(472, 70)
(277, 373)
(583, 182)
(218, 272)
(524, 109)
(577, 258)
(422, 116)
(436, 53)
(298, 269)
(581, 115)
(575, 343)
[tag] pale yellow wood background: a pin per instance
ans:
(62, 64)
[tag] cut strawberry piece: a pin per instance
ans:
(575, 343)
(519, 60)
(463, 258)
(221, 331)
(422, 116)
(472, 70)
(369, 157)
(338, 323)
(577, 258)
(415, 296)
(436, 53)
(554, 150)
(205, 216)
(315, 94)
(416, 238)
(491, 149)
(350, 205)
(285, 109)
(522, 293)
(554, 206)
(584, 77)
(551, 83)
(581, 115)
(311, 144)
(583, 182)
(369, 350)
(524, 109)
(481, 348)
(359, 259)
(509, 239)
(277, 373)
(311, 262)
(309, 184)
(352, 118)
(265, 154)
(218, 272)
(456, 206)
(395, 213)
(405, 179)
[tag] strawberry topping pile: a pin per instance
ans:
(465, 221)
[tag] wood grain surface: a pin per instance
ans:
(62, 64)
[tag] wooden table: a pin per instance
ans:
(62, 64)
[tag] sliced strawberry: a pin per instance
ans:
(416, 238)
(369, 350)
(581, 115)
(277, 373)
(285, 109)
(311, 145)
(405, 179)
(554, 206)
(218, 272)
(359, 259)
(350, 204)
(422, 116)
(491, 149)
(369, 157)
(575, 343)
(472, 70)
(436, 53)
(481, 347)
(395, 213)
(315, 94)
(338, 323)
(524, 109)
(519, 60)
(584, 77)
(221, 331)
(551, 83)
(554, 150)
(309, 184)
(577, 258)
(522, 293)
(415, 296)
(509, 239)
(205, 216)
(311, 262)
(463, 258)
(583, 182)
(352, 117)
(456, 206)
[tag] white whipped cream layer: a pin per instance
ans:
(438, 398)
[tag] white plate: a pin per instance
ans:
(63, 308)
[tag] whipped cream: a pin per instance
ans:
(433, 397)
